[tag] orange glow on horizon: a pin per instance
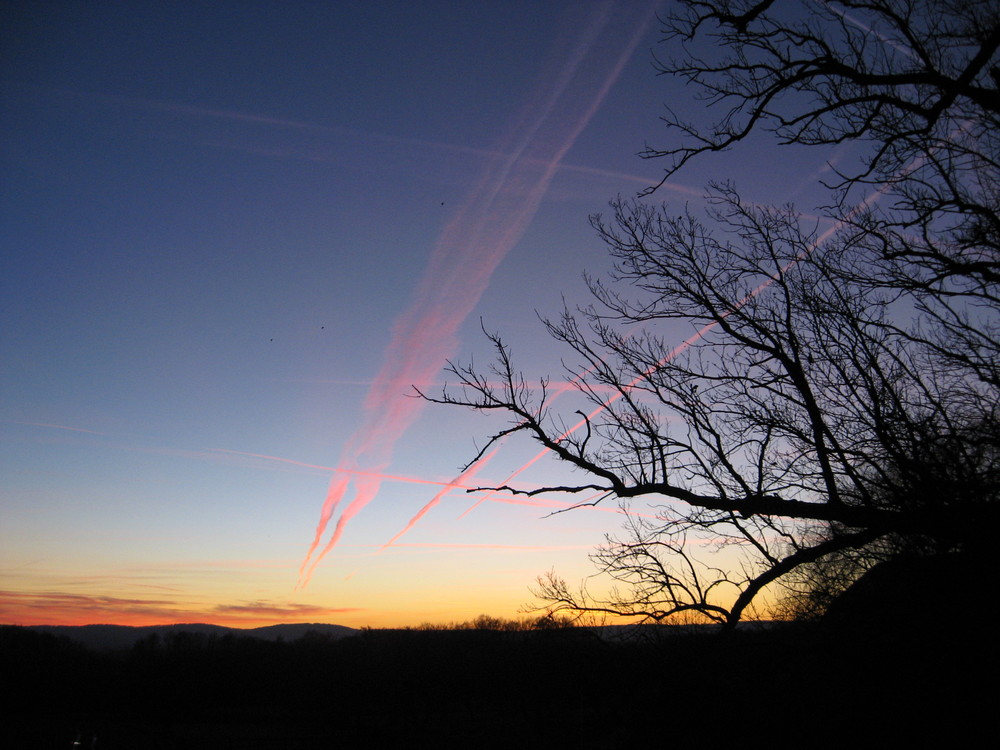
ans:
(61, 608)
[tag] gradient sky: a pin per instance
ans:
(234, 234)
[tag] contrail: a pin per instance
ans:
(479, 463)
(471, 246)
(337, 131)
(867, 27)
(56, 427)
(465, 475)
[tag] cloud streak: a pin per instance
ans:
(57, 427)
(66, 608)
(480, 234)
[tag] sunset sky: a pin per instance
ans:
(235, 234)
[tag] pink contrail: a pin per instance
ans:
(474, 468)
(465, 475)
(471, 246)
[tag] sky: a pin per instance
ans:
(235, 235)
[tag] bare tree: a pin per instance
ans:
(915, 80)
(837, 401)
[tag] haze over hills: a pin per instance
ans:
(116, 637)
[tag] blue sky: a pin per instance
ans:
(227, 234)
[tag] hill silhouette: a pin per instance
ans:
(484, 688)
(117, 637)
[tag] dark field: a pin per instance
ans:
(793, 686)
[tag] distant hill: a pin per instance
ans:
(121, 637)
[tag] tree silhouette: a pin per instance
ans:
(839, 397)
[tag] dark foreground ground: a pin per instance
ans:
(788, 687)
